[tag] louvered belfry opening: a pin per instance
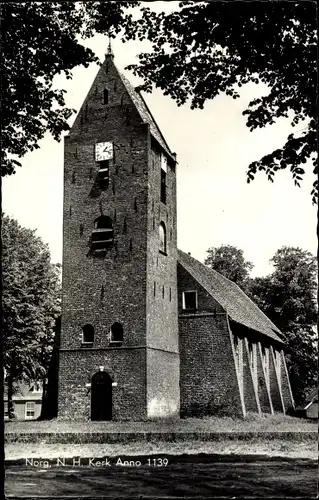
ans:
(102, 234)
(104, 173)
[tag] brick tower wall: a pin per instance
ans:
(127, 370)
(117, 287)
(162, 319)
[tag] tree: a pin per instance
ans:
(230, 262)
(49, 407)
(30, 304)
(288, 298)
(40, 41)
(210, 47)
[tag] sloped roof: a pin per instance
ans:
(312, 397)
(238, 306)
(24, 392)
(145, 114)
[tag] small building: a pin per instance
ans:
(27, 401)
(310, 407)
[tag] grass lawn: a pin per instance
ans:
(275, 448)
(252, 423)
(273, 425)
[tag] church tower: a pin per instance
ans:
(119, 354)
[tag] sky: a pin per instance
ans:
(214, 148)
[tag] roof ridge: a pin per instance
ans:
(152, 116)
(149, 118)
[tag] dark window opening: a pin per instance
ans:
(117, 333)
(163, 291)
(102, 234)
(163, 186)
(154, 291)
(190, 300)
(105, 96)
(87, 335)
(162, 238)
(104, 173)
(170, 295)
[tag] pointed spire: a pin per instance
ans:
(109, 52)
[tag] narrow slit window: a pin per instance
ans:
(163, 186)
(163, 178)
(105, 96)
(190, 300)
(162, 238)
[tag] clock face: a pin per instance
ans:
(103, 151)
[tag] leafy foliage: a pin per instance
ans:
(30, 303)
(206, 48)
(40, 41)
(287, 296)
(230, 262)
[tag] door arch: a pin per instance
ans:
(101, 396)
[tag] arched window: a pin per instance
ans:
(105, 96)
(87, 335)
(162, 237)
(102, 235)
(116, 332)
